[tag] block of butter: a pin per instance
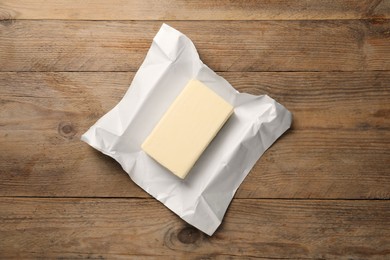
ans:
(187, 128)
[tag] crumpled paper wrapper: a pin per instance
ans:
(201, 199)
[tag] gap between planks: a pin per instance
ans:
(198, 10)
(150, 198)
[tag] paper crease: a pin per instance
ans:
(204, 196)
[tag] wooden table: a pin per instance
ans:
(321, 191)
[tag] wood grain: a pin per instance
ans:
(351, 45)
(322, 191)
(193, 10)
(319, 100)
(110, 228)
(338, 148)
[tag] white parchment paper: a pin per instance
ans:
(201, 199)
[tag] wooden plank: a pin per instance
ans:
(107, 228)
(303, 164)
(351, 45)
(193, 10)
(319, 100)
(338, 148)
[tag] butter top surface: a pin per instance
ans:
(187, 128)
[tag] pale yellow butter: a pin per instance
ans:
(187, 128)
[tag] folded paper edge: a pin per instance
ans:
(284, 117)
(210, 228)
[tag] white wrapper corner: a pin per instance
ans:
(203, 197)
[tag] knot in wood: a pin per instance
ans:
(188, 235)
(6, 18)
(66, 130)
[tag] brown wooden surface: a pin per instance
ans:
(321, 191)
(194, 10)
(57, 45)
(110, 228)
(326, 154)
